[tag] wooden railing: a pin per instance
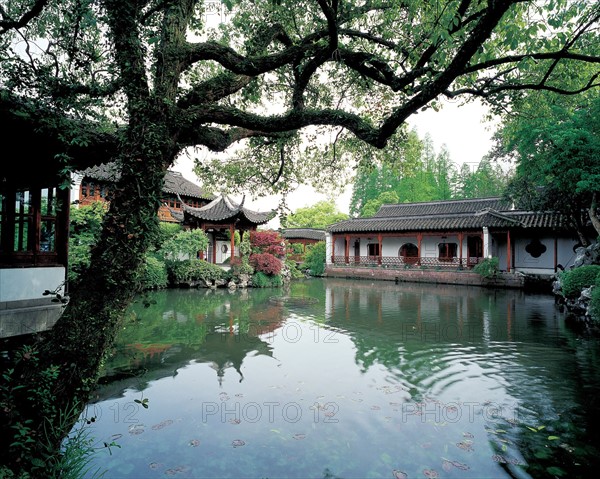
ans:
(395, 262)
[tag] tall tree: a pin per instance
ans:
(141, 81)
(488, 179)
(556, 144)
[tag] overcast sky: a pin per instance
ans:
(462, 129)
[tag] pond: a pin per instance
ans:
(353, 379)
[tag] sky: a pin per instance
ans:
(463, 129)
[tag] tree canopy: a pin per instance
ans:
(555, 143)
(81, 71)
(424, 176)
(320, 215)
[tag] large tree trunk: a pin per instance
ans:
(80, 339)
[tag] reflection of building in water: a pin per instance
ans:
(222, 339)
(441, 313)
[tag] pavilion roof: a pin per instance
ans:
(223, 208)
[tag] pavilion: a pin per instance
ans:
(220, 219)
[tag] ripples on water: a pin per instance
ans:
(349, 379)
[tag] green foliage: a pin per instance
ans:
(595, 301)
(262, 280)
(320, 215)
(185, 244)
(241, 266)
(488, 268)
(573, 281)
(193, 270)
(423, 176)
(154, 274)
(85, 227)
(556, 144)
(33, 450)
(315, 259)
(166, 231)
(245, 246)
(372, 206)
(295, 248)
(486, 180)
(293, 269)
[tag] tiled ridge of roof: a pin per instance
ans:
(303, 233)
(442, 207)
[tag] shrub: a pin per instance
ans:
(267, 242)
(185, 244)
(192, 270)
(241, 266)
(294, 271)
(595, 301)
(315, 259)
(265, 263)
(488, 268)
(577, 279)
(261, 280)
(154, 274)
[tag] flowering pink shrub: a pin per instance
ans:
(266, 263)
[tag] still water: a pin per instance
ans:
(353, 379)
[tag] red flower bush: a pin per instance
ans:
(268, 242)
(266, 263)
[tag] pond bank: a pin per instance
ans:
(462, 278)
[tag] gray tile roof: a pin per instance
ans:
(224, 208)
(450, 216)
(304, 233)
(447, 207)
(175, 183)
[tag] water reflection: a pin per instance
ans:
(340, 378)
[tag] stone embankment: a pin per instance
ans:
(579, 309)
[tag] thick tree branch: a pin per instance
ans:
(9, 24)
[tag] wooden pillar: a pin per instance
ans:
(214, 245)
(333, 249)
(460, 249)
(555, 254)
(347, 249)
(508, 252)
(419, 241)
(379, 239)
(232, 242)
